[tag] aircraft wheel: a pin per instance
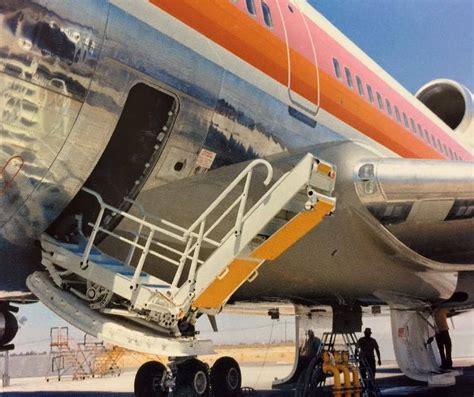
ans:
(192, 379)
(226, 378)
(149, 380)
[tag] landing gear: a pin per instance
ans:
(226, 378)
(189, 378)
(150, 380)
(192, 379)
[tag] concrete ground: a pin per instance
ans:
(389, 378)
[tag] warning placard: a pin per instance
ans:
(205, 159)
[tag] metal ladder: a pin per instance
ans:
(112, 286)
(369, 386)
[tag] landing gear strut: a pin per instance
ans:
(189, 378)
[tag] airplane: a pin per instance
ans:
(119, 117)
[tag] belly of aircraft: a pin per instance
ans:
(350, 256)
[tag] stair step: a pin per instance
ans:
(107, 262)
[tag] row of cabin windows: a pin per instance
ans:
(409, 125)
(267, 15)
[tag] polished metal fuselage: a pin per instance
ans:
(65, 75)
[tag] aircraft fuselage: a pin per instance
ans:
(207, 95)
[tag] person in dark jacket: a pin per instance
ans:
(366, 347)
(311, 346)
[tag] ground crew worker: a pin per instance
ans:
(366, 347)
(443, 340)
(308, 351)
(312, 344)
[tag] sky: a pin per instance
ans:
(415, 41)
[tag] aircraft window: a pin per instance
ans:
(413, 128)
(349, 77)
(251, 7)
(370, 93)
(445, 150)
(420, 131)
(267, 15)
(439, 146)
(360, 87)
(379, 100)
(337, 69)
(427, 136)
(397, 114)
(389, 107)
(405, 120)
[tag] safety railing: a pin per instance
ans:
(192, 238)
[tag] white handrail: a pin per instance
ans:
(95, 229)
(151, 226)
(141, 262)
(131, 252)
(192, 271)
(231, 187)
(192, 237)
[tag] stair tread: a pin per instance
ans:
(108, 262)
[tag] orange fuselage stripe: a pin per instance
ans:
(228, 27)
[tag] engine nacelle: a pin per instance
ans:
(453, 103)
(8, 327)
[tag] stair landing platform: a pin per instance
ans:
(112, 329)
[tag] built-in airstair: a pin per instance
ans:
(116, 300)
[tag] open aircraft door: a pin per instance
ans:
(303, 75)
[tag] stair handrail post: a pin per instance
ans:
(141, 262)
(243, 202)
(229, 188)
(194, 262)
(131, 251)
(95, 230)
(182, 262)
(133, 247)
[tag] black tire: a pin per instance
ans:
(226, 378)
(192, 379)
(148, 380)
(11, 328)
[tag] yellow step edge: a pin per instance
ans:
(239, 270)
(293, 231)
(217, 293)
